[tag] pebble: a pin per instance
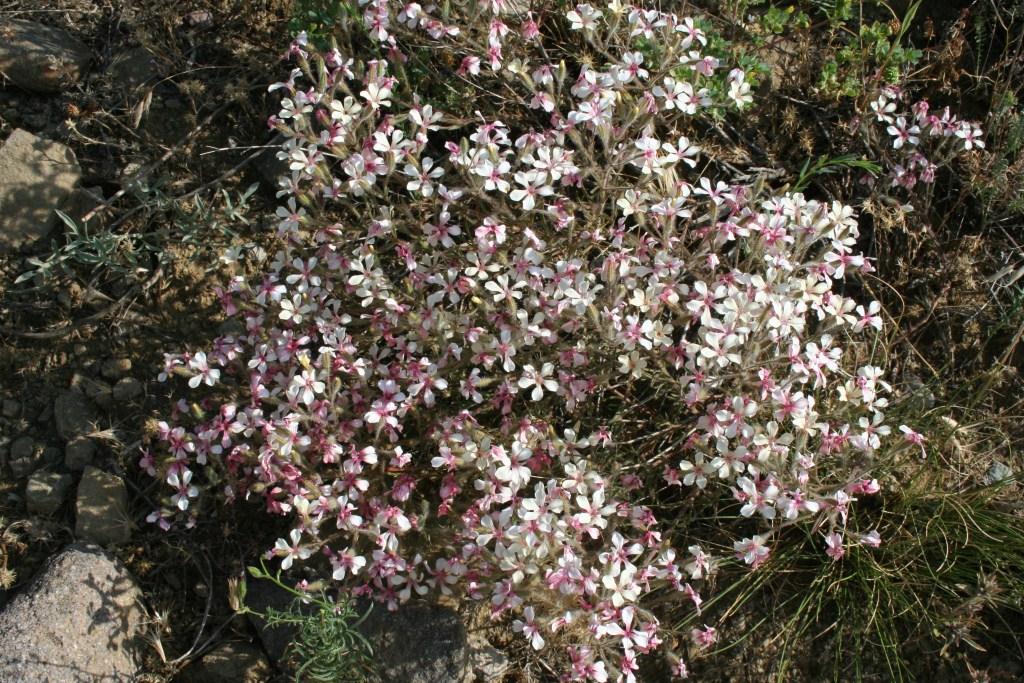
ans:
(12, 408)
(23, 447)
(23, 457)
(127, 389)
(52, 455)
(114, 369)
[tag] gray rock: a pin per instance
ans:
(41, 58)
(74, 415)
(133, 68)
(52, 456)
(24, 457)
(97, 391)
(487, 663)
(36, 177)
(997, 472)
(45, 415)
(114, 369)
(231, 663)
(419, 643)
(127, 389)
(12, 408)
(79, 620)
(79, 453)
(23, 447)
(45, 492)
(22, 467)
(102, 508)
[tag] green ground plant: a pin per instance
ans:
(327, 645)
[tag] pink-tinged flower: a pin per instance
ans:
(834, 546)
(916, 438)
(631, 636)
(701, 565)
(739, 89)
(204, 373)
(883, 108)
(528, 627)
(678, 666)
(584, 17)
(469, 65)
(147, 462)
(902, 133)
(185, 489)
(538, 379)
(872, 539)
(704, 637)
(971, 135)
(623, 588)
(290, 551)
(752, 551)
(346, 563)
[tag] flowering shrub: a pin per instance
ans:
(448, 365)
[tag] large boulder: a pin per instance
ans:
(36, 176)
(79, 620)
(40, 58)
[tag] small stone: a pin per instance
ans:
(24, 457)
(22, 467)
(102, 508)
(74, 415)
(81, 619)
(97, 391)
(40, 58)
(45, 415)
(52, 456)
(45, 492)
(487, 662)
(114, 369)
(232, 663)
(36, 177)
(79, 453)
(133, 68)
(127, 389)
(996, 473)
(23, 447)
(12, 408)
(199, 18)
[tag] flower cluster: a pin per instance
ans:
(443, 369)
(922, 141)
